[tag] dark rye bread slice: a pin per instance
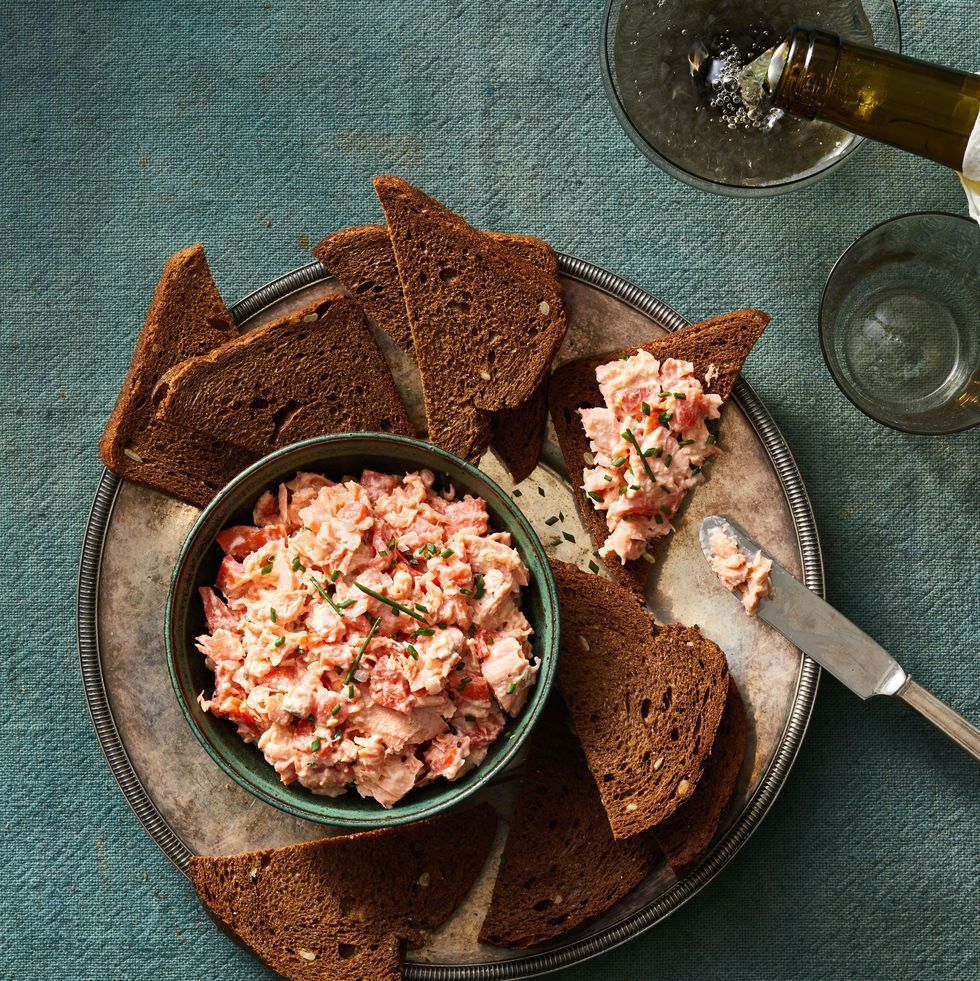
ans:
(645, 700)
(561, 865)
(485, 323)
(723, 341)
(344, 908)
(312, 372)
(186, 318)
(688, 833)
(363, 260)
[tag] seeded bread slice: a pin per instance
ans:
(341, 909)
(313, 372)
(645, 700)
(486, 324)
(688, 833)
(723, 342)
(186, 318)
(363, 260)
(561, 865)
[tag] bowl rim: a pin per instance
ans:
(822, 330)
(686, 176)
(484, 773)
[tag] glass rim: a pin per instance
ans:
(686, 176)
(842, 386)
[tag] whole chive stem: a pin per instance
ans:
(381, 598)
(630, 438)
(339, 610)
(357, 660)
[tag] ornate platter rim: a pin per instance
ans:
(530, 964)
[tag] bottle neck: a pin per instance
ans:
(916, 106)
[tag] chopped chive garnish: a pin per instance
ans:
(623, 357)
(421, 608)
(389, 602)
(679, 395)
(606, 477)
(447, 553)
(279, 642)
(511, 688)
(618, 462)
(712, 439)
(411, 650)
(658, 519)
(552, 520)
(478, 581)
(339, 734)
(350, 691)
(424, 632)
(695, 470)
(319, 588)
(335, 709)
(665, 511)
(357, 660)
(595, 495)
(470, 718)
(383, 552)
(297, 566)
(517, 492)
(273, 616)
(541, 491)
(338, 669)
(561, 517)
(463, 683)
(622, 490)
(634, 487)
(267, 568)
(663, 395)
(465, 592)
(667, 459)
(490, 639)
(685, 442)
(568, 536)
(315, 745)
(592, 566)
(658, 452)
(472, 630)
(630, 438)
(665, 417)
(311, 718)
(335, 575)
(645, 408)
(391, 543)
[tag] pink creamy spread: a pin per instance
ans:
(649, 444)
(368, 632)
(737, 571)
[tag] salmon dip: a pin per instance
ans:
(649, 444)
(738, 572)
(368, 633)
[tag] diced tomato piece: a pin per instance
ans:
(477, 690)
(240, 541)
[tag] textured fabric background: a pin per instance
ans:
(132, 127)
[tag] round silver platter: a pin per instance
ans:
(188, 806)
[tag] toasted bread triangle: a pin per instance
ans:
(561, 865)
(312, 372)
(340, 909)
(645, 700)
(363, 260)
(186, 318)
(688, 833)
(723, 341)
(485, 324)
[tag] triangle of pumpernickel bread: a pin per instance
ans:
(723, 341)
(645, 700)
(342, 909)
(688, 833)
(186, 318)
(561, 865)
(313, 372)
(485, 323)
(363, 260)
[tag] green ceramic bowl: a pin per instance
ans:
(197, 566)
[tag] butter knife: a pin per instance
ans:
(836, 644)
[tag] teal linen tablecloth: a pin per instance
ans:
(130, 128)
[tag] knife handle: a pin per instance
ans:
(941, 716)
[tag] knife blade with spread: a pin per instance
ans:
(837, 644)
